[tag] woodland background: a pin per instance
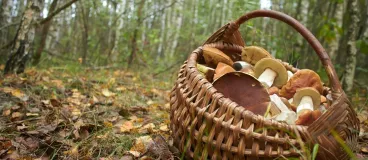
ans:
(133, 49)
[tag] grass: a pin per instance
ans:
(86, 129)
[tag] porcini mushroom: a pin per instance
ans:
(252, 54)
(290, 74)
(307, 100)
(222, 69)
(206, 71)
(212, 56)
(286, 115)
(302, 78)
(245, 90)
(243, 67)
(271, 72)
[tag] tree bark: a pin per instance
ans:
(333, 47)
(135, 34)
(44, 33)
(5, 19)
(21, 48)
(351, 45)
(85, 17)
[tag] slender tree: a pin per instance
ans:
(351, 45)
(44, 33)
(21, 47)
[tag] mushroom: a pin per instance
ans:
(245, 90)
(212, 56)
(274, 110)
(286, 115)
(222, 69)
(243, 67)
(290, 74)
(302, 78)
(271, 72)
(273, 90)
(206, 71)
(307, 101)
(252, 54)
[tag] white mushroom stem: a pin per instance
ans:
(286, 115)
(277, 100)
(290, 74)
(305, 103)
(267, 77)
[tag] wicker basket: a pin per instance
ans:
(206, 125)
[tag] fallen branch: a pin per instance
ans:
(49, 17)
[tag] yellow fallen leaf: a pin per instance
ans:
(141, 144)
(107, 93)
(58, 83)
(164, 128)
(107, 124)
(126, 126)
(147, 128)
(121, 88)
(32, 114)
(72, 152)
(76, 112)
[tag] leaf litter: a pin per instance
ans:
(50, 114)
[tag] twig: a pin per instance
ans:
(50, 16)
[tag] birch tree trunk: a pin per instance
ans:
(332, 49)
(179, 23)
(351, 46)
(21, 48)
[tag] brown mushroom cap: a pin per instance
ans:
(213, 56)
(281, 77)
(252, 54)
(245, 90)
(222, 69)
(305, 117)
(273, 90)
(308, 91)
(302, 78)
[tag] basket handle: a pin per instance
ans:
(312, 40)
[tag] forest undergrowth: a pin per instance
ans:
(86, 113)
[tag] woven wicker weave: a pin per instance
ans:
(206, 125)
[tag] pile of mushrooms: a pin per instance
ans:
(263, 85)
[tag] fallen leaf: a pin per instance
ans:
(141, 144)
(121, 88)
(364, 150)
(55, 103)
(164, 128)
(126, 126)
(148, 128)
(107, 93)
(6, 112)
(17, 115)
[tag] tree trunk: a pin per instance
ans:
(5, 19)
(21, 48)
(333, 47)
(135, 34)
(44, 32)
(351, 46)
(85, 17)
(179, 22)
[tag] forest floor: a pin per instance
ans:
(56, 113)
